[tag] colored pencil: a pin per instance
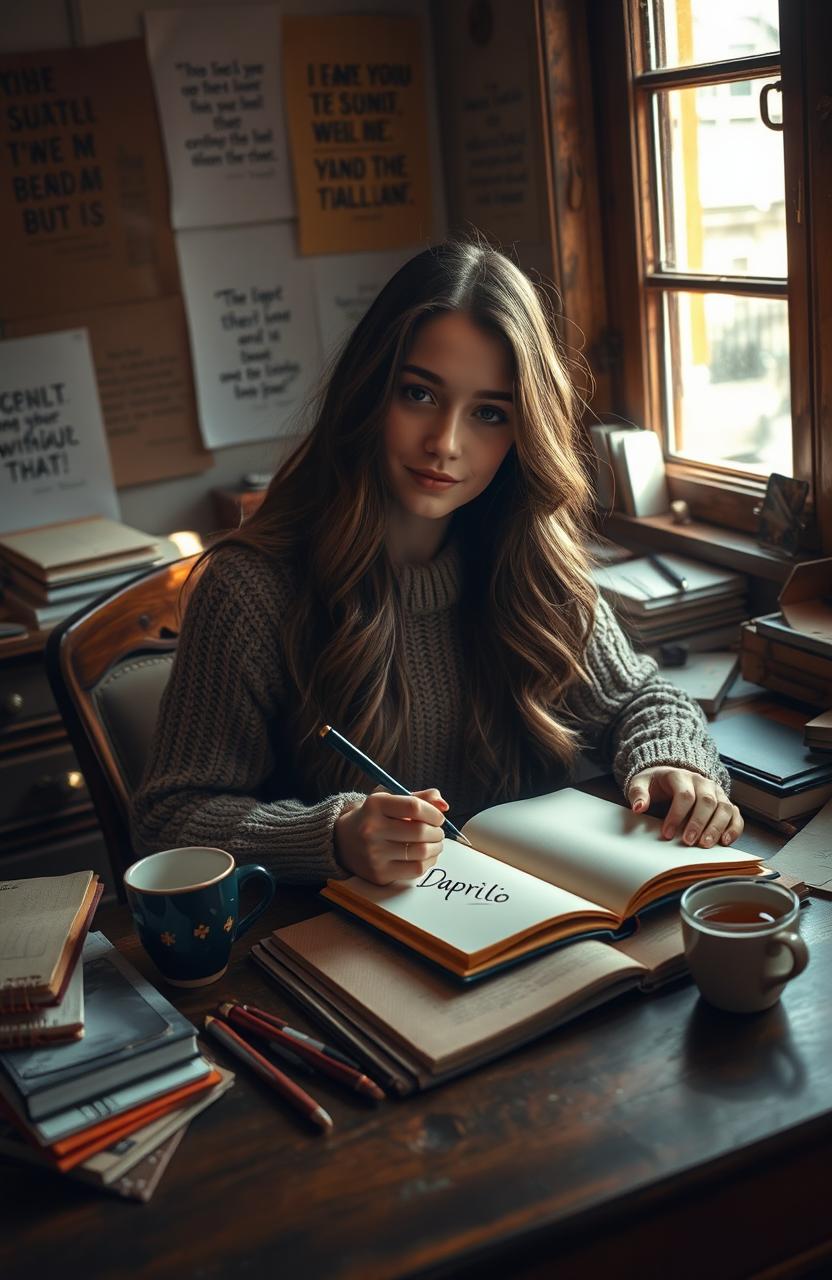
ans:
(280, 1025)
(355, 1080)
(281, 1083)
(375, 771)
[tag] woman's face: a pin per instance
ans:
(451, 421)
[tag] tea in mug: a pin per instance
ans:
(733, 913)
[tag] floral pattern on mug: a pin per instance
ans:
(167, 938)
(201, 931)
(229, 925)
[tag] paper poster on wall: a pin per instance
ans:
(357, 112)
(345, 285)
(251, 315)
(142, 364)
(54, 462)
(84, 217)
(216, 73)
(494, 162)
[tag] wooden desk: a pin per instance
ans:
(652, 1138)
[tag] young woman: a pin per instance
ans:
(416, 577)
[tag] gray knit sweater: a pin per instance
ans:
(221, 772)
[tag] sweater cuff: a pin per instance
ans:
(303, 841)
(675, 754)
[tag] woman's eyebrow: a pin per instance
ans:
(440, 382)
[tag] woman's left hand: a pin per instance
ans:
(699, 808)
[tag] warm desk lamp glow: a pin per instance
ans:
(186, 542)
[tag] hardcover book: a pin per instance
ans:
(131, 1031)
(43, 923)
(541, 872)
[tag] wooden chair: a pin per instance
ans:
(108, 666)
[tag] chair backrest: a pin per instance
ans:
(108, 665)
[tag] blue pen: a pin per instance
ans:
(375, 771)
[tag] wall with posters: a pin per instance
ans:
(137, 383)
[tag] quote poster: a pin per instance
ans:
(493, 151)
(84, 215)
(251, 315)
(357, 112)
(217, 73)
(54, 462)
(142, 365)
(345, 286)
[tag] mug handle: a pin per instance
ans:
(800, 957)
(244, 874)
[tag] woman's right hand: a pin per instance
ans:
(389, 837)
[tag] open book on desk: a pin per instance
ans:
(412, 1026)
(541, 872)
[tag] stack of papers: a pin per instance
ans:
(706, 612)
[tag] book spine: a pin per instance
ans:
(758, 671)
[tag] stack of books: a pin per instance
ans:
(43, 924)
(50, 572)
(779, 658)
(435, 986)
(111, 1075)
(772, 771)
(672, 598)
(817, 733)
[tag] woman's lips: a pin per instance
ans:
(431, 480)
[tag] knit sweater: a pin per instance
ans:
(221, 771)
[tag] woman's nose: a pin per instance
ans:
(446, 436)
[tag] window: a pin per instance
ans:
(712, 176)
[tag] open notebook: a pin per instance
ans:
(541, 872)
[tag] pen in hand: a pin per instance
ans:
(375, 771)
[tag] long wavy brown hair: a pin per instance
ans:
(528, 599)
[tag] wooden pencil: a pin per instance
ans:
(281, 1083)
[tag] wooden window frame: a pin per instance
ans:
(622, 88)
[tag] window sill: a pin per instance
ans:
(727, 547)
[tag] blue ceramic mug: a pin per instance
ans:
(185, 905)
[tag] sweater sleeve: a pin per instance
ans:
(213, 751)
(632, 717)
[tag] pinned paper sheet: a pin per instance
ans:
(83, 195)
(143, 369)
(54, 463)
(216, 73)
(345, 286)
(250, 307)
(357, 113)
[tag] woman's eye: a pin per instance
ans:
(419, 395)
(491, 415)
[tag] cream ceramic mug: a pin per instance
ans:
(742, 941)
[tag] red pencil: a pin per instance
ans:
(328, 1049)
(241, 1049)
(355, 1080)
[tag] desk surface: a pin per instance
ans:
(649, 1129)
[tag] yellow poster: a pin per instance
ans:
(84, 217)
(358, 131)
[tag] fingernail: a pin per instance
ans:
(690, 837)
(707, 841)
(726, 839)
(667, 832)
(638, 806)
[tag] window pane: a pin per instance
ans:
(721, 186)
(726, 364)
(678, 33)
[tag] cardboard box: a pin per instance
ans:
(806, 598)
